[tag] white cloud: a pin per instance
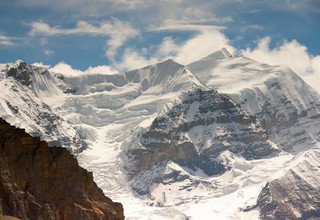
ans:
(252, 27)
(291, 54)
(202, 45)
(197, 47)
(116, 31)
(98, 8)
(168, 47)
(6, 41)
(134, 59)
(106, 28)
(182, 26)
(188, 18)
(66, 69)
(48, 52)
(40, 64)
(107, 70)
(148, 15)
(87, 7)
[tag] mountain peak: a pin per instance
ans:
(18, 63)
(21, 72)
(223, 53)
(170, 62)
(211, 60)
(166, 76)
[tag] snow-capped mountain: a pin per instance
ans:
(213, 139)
(26, 95)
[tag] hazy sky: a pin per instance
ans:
(130, 34)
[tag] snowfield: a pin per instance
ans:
(100, 118)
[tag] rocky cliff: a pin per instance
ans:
(41, 182)
(296, 194)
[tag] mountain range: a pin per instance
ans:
(223, 137)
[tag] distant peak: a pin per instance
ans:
(220, 54)
(170, 62)
(19, 62)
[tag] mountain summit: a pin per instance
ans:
(167, 76)
(223, 53)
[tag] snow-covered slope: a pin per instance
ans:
(26, 93)
(177, 142)
(285, 105)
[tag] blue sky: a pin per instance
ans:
(121, 34)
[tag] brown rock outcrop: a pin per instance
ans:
(41, 182)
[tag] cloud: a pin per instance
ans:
(184, 52)
(40, 64)
(48, 52)
(168, 47)
(68, 70)
(186, 15)
(252, 27)
(198, 46)
(106, 70)
(43, 41)
(299, 5)
(189, 18)
(116, 31)
(142, 13)
(87, 7)
(291, 54)
(202, 45)
(6, 41)
(134, 59)
(102, 8)
(106, 28)
(178, 25)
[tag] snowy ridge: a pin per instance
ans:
(167, 76)
(24, 103)
(38, 79)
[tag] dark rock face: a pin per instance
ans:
(289, 200)
(41, 182)
(296, 195)
(66, 88)
(21, 74)
(195, 132)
